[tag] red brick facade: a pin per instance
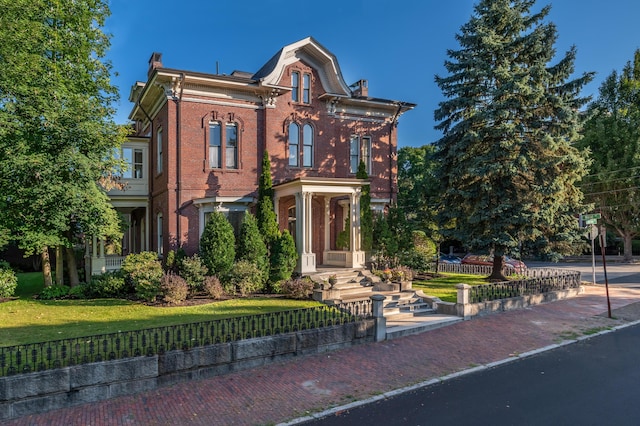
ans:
(181, 105)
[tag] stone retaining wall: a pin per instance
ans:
(33, 393)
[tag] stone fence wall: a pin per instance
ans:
(39, 392)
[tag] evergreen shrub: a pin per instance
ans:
(193, 270)
(217, 244)
(244, 278)
(109, 284)
(143, 271)
(283, 258)
(8, 281)
(54, 292)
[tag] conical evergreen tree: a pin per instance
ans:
(509, 120)
(218, 245)
(251, 246)
(366, 216)
(265, 214)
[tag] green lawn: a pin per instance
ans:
(444, 287)
(27, 320)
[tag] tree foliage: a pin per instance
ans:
(56, 128)
(418, 187)
(217, 245)
(612, 133)
(507, 163)
(265, 214)
(366, 215)
(251, 246)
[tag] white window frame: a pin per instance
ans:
(159, 151)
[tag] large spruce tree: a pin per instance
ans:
(612, 133)
(509, 120)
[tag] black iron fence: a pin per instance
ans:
(540, 281)
(147, 342)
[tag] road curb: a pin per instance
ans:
(430, 382)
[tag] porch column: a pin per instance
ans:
(356, 255)
(304, 233)
(327, 224)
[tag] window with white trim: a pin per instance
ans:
(295, 86)
(294, 144)
(300, 151)
(226, 153)
(159, 242)
(159, 150)
(359, 150)
(307, 146)
(306, 89)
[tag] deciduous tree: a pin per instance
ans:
(612, 133)
(56, 129)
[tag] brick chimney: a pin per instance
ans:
(361, 88)
(155, 61)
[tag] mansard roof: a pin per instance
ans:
(312, 53)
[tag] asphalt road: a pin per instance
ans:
(622, 274)
(592, 382)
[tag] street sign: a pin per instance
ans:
(593, 232)
(588, 217)
(591, 221)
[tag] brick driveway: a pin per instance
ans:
(285, 391)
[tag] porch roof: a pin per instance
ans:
(317, 185)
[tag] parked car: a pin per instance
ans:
(449, 258)
(487, 260)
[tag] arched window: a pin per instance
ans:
(295, 86)
(294, 144)
(307, 146)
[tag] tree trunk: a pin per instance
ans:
(59, 265)
(46, 267)
(496, 273)
(628, 252)
(74, 280)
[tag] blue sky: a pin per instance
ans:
(398, 46)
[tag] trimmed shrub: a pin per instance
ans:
(298, 288)
(109, 284)
(244, 278)
(78, 292)
(8, 281)
(213, 288)
(217, 244)
(144, 272)
(194, 272)
(54, 292)
(251, 245)
(174, 288)
(283, 258)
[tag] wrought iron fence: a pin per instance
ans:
(147, 342)
(464, 268)
(541, 281)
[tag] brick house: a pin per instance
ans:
(199, 141)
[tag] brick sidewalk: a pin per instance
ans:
(282, 392)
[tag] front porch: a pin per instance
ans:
(315, 211)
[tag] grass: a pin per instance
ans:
(27, 320)
(444, 286)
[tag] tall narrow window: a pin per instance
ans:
(138, 164)
(215, 146)
(159, 150)
(366, 153)
(231, 146)
(306, 88)
(295, 86)
(160, 236)
(354, 154)
(294, 144)
(307, 146)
